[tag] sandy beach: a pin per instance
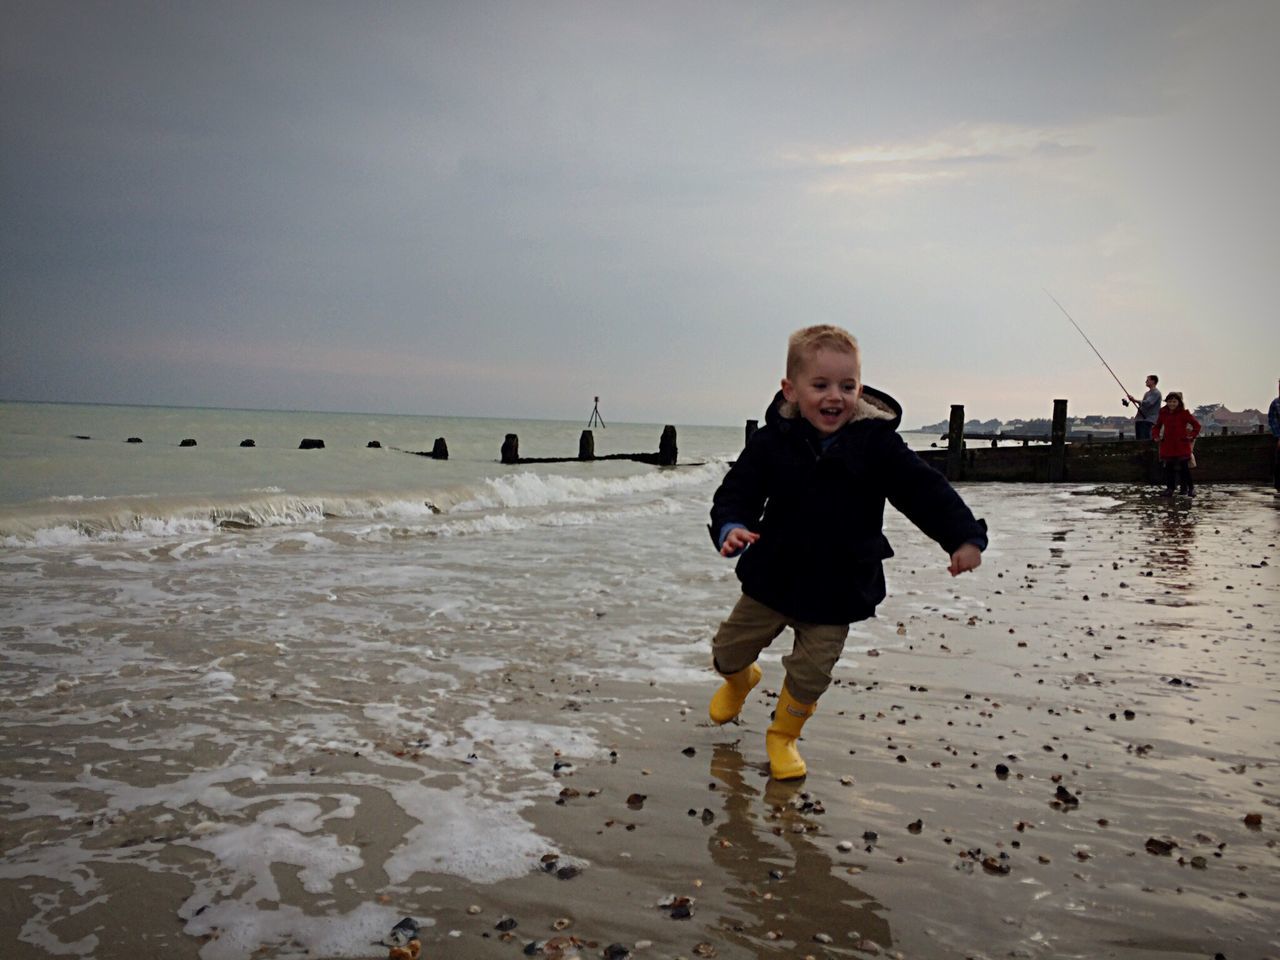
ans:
(1071, 753)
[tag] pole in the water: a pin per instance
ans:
(1127, 393)
(595, 417)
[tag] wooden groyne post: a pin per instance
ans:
(438, 451)
(587, 446)
(1058, 443)
(955, 443)
(667, 447)
(511, 449)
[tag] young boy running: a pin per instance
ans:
(804, 506)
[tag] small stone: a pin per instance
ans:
(402, 932)
(844, 846)
(505, 924)
(823, 938)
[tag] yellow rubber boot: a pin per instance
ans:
(728, 700)
(785, 762)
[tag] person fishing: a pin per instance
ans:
(1148, 406)
(1148, 411)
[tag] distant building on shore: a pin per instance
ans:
(1096, 424)
(1215, 418)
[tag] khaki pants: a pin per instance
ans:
(752, 626)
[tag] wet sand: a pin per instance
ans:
(1124, 672)
(1133, 666)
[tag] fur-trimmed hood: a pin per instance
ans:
(872, 405)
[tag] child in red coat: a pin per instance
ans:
(1175, 429)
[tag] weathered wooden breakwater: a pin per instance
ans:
(1236, 458)
(439, 450)
(1226, 458)
(664, 457)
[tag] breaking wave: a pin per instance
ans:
(492, 504)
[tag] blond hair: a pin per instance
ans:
(808, 340)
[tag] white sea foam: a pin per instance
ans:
(463, 835)
(529, 745)
(504, 502)
(239, 927)
(534, 489)
(287, 833)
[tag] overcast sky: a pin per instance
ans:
(504, 209)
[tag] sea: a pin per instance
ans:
(80, 473)
(221, 663)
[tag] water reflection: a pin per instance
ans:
(786, 883)
(1170, 524)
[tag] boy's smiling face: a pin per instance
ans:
(826, 389)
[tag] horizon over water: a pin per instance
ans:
(68, 472)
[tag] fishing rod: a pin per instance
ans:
(1127, 392)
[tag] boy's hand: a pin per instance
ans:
(738, 539)
(966, 558)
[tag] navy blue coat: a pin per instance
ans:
(820, 513)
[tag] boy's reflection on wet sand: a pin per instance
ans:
(785, 881)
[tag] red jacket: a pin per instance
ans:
(1175, 431)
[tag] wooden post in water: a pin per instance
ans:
(955, 443)
(587, 446)
(667, 447)
(511, 449)
(440, 449)
(1058, 443)
(752, 427)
